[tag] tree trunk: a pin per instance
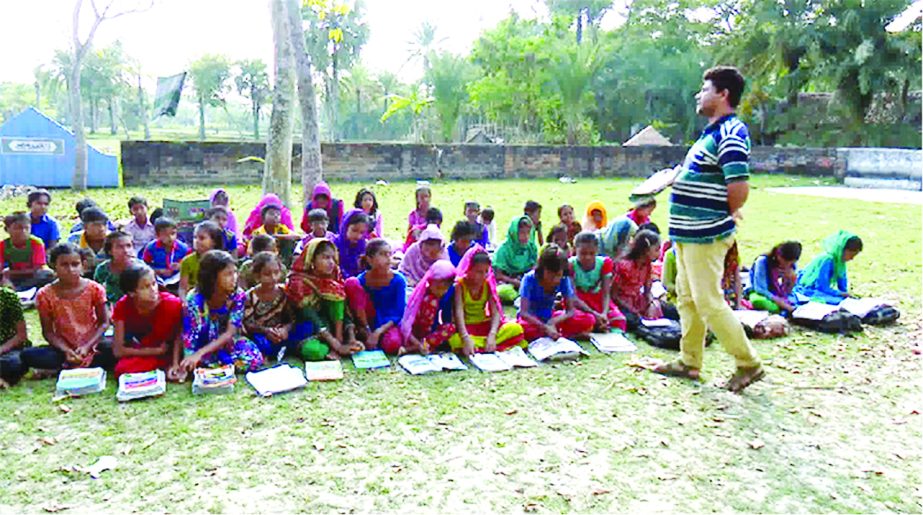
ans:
(142, 110)
(201, 119)
(79, 182)
(277, 173)
(334, 99)
(256, 119)
(38, 95)
(311, 167)
(112, 127)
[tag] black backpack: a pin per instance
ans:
(838, 322)
(664, 337)
(881, 315)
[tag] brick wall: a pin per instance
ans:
(191, 162)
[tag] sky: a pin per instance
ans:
(175, 32)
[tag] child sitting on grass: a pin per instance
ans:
(433, 217)
(633, 278)
(464, 235)
(772, 279)
(80, 207)
(533, 210)
(596, 218)
(268, 315)
(824, 279)
(322, 198)
(317, 290)
(368, 203)
(643, 208)
(141, 228)
(259, 243)
(22, 255)
(472, 214)
(422, 329)
(219, 215)
(419, 216)
(593, 282)
(538, 293)
(486, 219)
(13, 338)
(122, 251)
(318, 223)
(165, 253)
(213, 318)
(377, 299)
(351, 242)
(568, 219)
(515, 257)
(74, 318)
(147, 325)
(207, 236)
(479, 319)
(93, 235)
(422, 254)
(558, 236)
(44, 226)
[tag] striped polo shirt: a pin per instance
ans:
(699, 205)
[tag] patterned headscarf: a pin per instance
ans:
(441, 270)
(305, 288)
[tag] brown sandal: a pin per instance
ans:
(744, 377)
(677, 369)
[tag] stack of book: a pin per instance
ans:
(141, 385)
(214, 380)
(81, 381)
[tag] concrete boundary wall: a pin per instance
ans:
(191, 162)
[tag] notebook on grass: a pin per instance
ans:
(371, 359)
(612, 342)
(323, 370)
(417, 364)
(278, 379)
(562, 348)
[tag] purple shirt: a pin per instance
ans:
(141, 235)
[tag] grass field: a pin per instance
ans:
(834, 427)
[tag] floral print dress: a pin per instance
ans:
(202, 325)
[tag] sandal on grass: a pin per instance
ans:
(677, 369)
(744, 377)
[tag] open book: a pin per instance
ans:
(141, 385)
(81, 381)
(862, 307)
(612, 342)
(502, 361)
(368, 359)
(323, 370)
(280, 378)
(562, 348)
(418, 364)
(213, 380)
(814, 311)
(657, 182)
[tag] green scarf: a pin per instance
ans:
(513, 257)
(833, 248)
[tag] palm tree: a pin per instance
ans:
(423, 43)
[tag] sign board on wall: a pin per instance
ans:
(32, 146)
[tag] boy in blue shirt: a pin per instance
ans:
(44, 227)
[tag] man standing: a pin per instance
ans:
(706, 199)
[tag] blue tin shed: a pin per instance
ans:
(37, 151)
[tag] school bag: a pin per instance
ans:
(773, 326)
(881, 315)
(665, 335)
(826, 319)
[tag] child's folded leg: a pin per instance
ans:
(391, 341)
(313, 349)
(137, 364)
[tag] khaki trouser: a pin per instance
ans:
(701, 304)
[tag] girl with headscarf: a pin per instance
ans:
(255, 220)
(351, 241)
(422, 328)
(479, 320)
(220, 197)
(824, 279)
(596, 218)
(322, 198)
(316, 289)
(515, 257)
(429, 248)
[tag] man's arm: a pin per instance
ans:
(737, 195)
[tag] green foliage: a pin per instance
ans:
(253, 83)
(210, 74)
(448, 74)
